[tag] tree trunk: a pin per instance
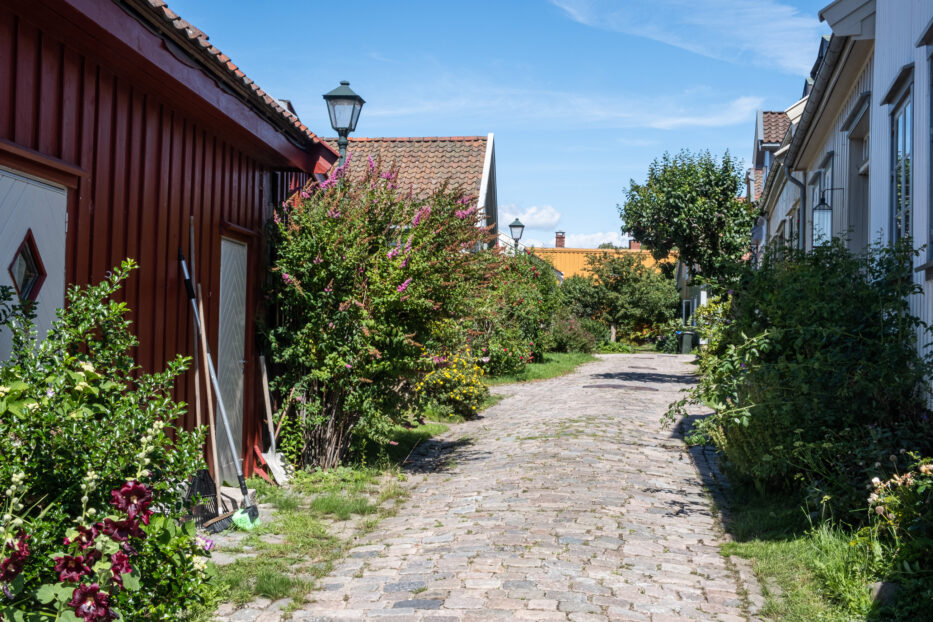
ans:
(327, 443)
(612, 332)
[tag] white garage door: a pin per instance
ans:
(33, 220)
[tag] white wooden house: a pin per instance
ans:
(856, 160)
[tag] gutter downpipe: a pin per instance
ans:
(814, 100)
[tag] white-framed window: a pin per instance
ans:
(901, 158)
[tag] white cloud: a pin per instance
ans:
(592, 240)
(736, 111)
(762, 32)
(535, 217)
(473, 98)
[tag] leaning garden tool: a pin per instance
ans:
(248, 516)
(273, 458)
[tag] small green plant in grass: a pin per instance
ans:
(273, 584)
(342, 506)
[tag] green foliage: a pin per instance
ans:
(619, 347)
(815, 397)
(581, 296)
(573, 334)
(366, 274)
(690, 204)
(510, 327)
(631, 295)
(456, 386)
(88, 443)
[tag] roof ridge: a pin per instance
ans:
(199, 45)
(411, 138)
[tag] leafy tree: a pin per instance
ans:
(581, 296)
(621, 293)
(690, 203)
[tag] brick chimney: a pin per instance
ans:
(635, 246)
(559, 239)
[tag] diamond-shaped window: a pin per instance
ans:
(26, 269)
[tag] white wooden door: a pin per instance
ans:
(33, 222)
(231, 343)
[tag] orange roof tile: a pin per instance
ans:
(197, 43)
(775, 124)
(424, 163)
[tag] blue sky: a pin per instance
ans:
(581, 94)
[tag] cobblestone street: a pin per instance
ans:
(565, 501)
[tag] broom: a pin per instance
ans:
(246, 517)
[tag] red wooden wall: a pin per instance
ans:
(145, 168)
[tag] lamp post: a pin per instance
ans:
(515, 230)
(823, 217)
(343, 106)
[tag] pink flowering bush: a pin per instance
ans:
(512, 329)
(93, 472)
(366, 274)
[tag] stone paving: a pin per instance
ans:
(565, 501)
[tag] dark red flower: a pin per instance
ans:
(71, 568)
(120, 565)
(91, 604)
(91, 556)
(85, 537)
(122, 529)
(134, 499)
(17, 551)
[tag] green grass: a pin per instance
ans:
(342, 506)
(306, 552)
(554, 364)
(807, 573)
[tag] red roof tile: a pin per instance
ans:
(775, 125)
(199, 46)
(424, 163)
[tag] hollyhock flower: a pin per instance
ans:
(401, 288)
(206, 543)
(134, 499)
(91, 604)
(18, 551)
(71, 568)
(119, 566)
(85, 537)
(121, 530)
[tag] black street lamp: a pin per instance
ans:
(823, 218)
(515, 230)
(343, 106)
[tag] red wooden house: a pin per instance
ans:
(119, 121)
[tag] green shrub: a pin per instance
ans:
(619, 347)
(814, 373)
(455, 386)
(573, 334)
(93, 470)
(509, 326)
(366, 275)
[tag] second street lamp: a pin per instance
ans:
(515, 230)
(343, 106)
